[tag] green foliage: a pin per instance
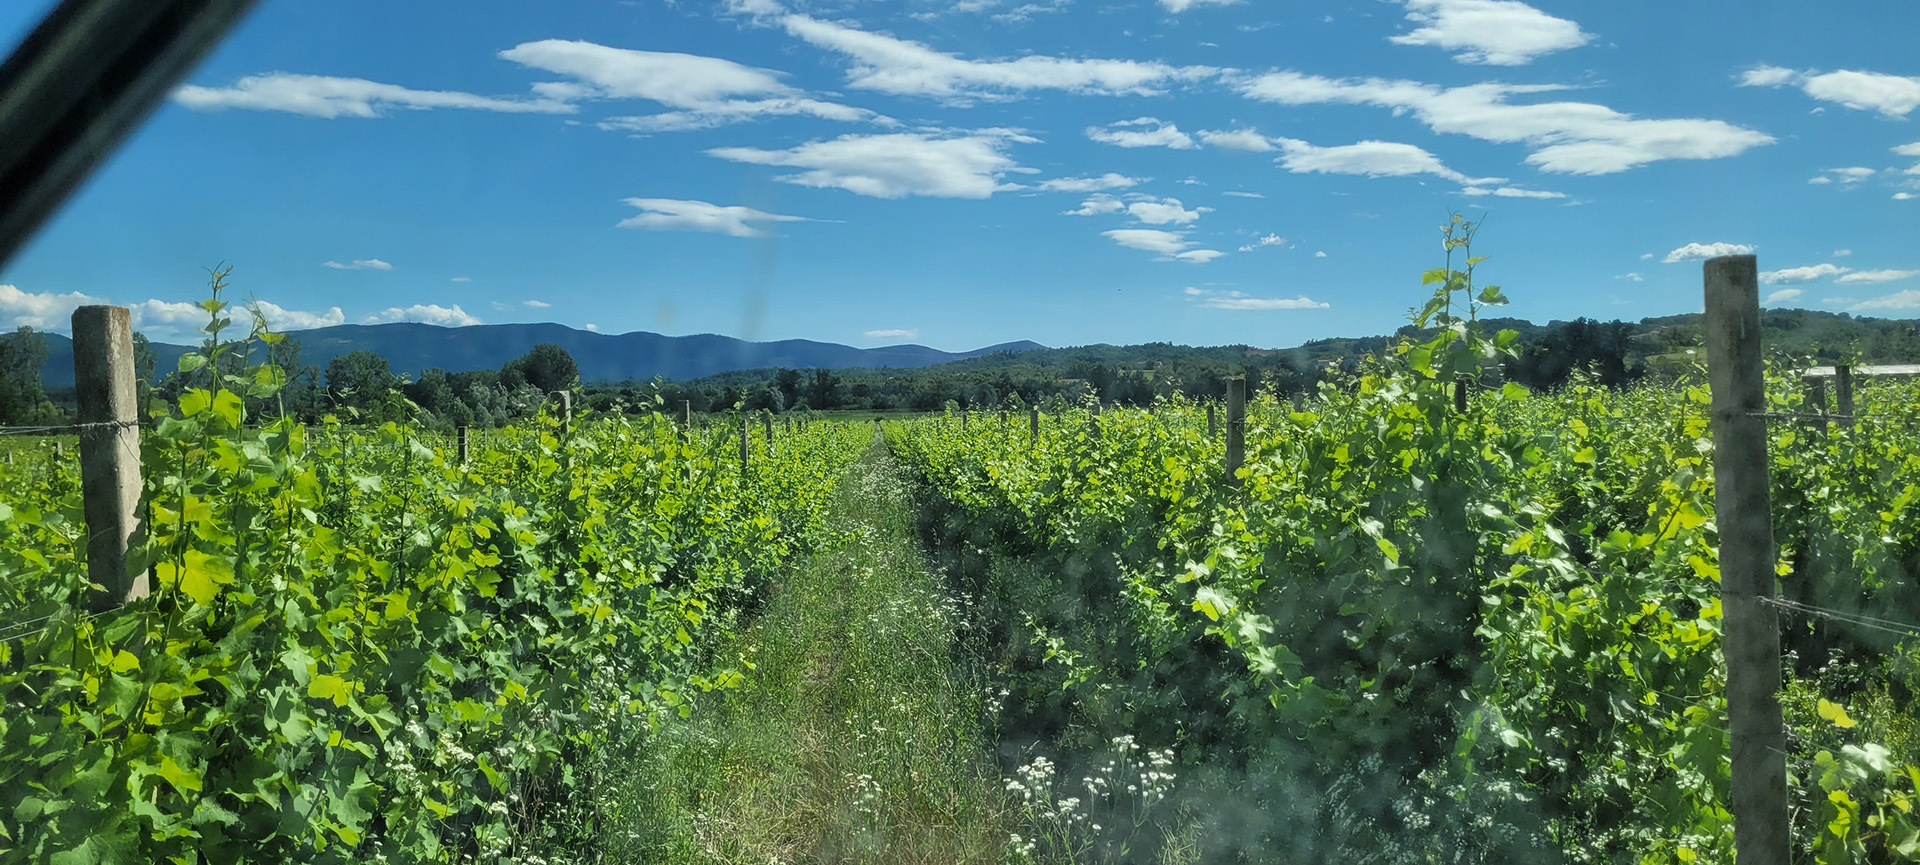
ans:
(358, 650)
(1419, 635)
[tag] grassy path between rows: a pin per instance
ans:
(855, 738)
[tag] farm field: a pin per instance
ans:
(1427, 617)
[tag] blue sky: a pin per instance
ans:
(961, 174)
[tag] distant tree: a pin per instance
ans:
(22, 399)
(361, 381)
(824, 391)
(547, 367)
(787, 381)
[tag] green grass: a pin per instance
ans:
(856, 739)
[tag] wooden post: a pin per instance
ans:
(766, 423)
(1843, 392)
(463, 445)
(1093, 421)
(1816, 393)
(1033, 427)
(104, 386)
(1460, 395)
(1213, 424)
(746, 436)
(1236, 428)
(1751, 638)
(963, 418)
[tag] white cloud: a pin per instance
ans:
(1199, 256)
(428, 313)
(1819, 180)
(1237, 139)
(1134, 133)
(1566, 137)
(1491, 32)
(704, 91)
(1163, 211)
(1179, 6)
(1511, 192)
(895, 165)
(1368, 158)
(359, 264)
(278, 317)
(1320, 254)
(1908, 149)
(1192, 181)
(591, 327)
(1909, 299)
(536, 304)
(1844, 175)
(1842, 253)
(1240, 301)
(1703, 251)
(1782, 296)
(894, 333)
(1239, 194)
(1631, 277)
(1904, 196)
(1891, 95)
(1269, 240)
(1109, 180)
(1871, 277)
(669, 214)
(461, 279)
(1801, 274)
(43, 310)
(1097, 204)
(905, 68)
(1148, 239)
(331, 97)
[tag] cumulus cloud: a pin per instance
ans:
(889, 65)
(1369, 159)
(1908, 149)
(1179, 6)
(1142, 132)
(425, 313)
(41, 310)
(1703, 251)
(1566, 137)
(1163, 211)
(894, 333)
(1241, 301)
(278, 317)
(1891, 95)
(1320, 254)
(1909, 299)
(1268, 240)
(1844, 175)
(1782, 296)
(359, 264)
(703, 91)
(1097, 204)
(1871, 277)
(1490, 32)
(1237, 139)
(1792, 275)
(1511, 192)
(330, 97)
(1903, 196)
(670, 214)
(1105, 181)
(1170, 245)
(895, 165)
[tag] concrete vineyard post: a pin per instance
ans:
(1752, 627)
(564, 400)
(1093, 421)
(746, 436)
(1460, 395)
(1843, 393)
(766, 426)
(1299, 402)
(1213, 424)
(963, 419)
(463, 445)
(104, 387)
(1236, 428)
(1816, 393)
(1033, 427)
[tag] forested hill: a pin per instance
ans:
(1613, 352)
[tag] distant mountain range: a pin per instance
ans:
(413, 348)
